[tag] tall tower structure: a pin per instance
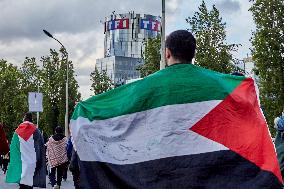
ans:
(124, 43)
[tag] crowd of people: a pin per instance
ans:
(56, 152)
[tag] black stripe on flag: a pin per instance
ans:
(214, 170)
(39, 179)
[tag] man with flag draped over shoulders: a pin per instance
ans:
(181, 127)
(27, 156)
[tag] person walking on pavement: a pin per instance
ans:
(4, 147)
(74, 163)
(6, 160)
(27, 156)
(1, 161)
(279, 141)
(57, 156)
(69, 148)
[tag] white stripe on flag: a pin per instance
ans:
(28, 157)
(153, 134)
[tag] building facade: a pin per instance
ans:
(119, 68)
(124, 43)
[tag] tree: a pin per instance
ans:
(50, 79)
(100, 82)
(13, 99)
(151, 57)
(53, 77)
(268, 55)
(212, 50)
(31, 73)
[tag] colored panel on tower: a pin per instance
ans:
(117, 24)
(152, 25)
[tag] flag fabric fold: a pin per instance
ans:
(182, 127)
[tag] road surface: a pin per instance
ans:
(68, 184)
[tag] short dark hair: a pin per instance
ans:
(59, 130)
(182, 45)
(237, 74)
(28, 117)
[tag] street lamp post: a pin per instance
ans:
(67, 68)
(163, 62)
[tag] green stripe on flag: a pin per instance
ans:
(15, 167)
(178, 84)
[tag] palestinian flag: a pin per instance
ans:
(27, 157)
(182, 127)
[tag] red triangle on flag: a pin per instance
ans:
(25, 130)
(237, 123)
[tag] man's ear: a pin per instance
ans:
(168, 53)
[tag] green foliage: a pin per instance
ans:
(12, 98)
(49, 78)
(53, 76)
(212, 50)
(268, 54)
(100, 82)
(151, 57)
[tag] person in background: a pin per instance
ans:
(27, 156)
(6, 160)
(74, 163)
(57, 156)
(279, 141)
(4, 147)
(74, 168)
(69, 148)
(1, 162)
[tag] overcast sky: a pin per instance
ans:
(76, 23)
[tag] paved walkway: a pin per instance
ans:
(68, 184)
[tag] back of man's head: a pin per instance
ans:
(28, 117)
(59, 130)
(237, 74)
(182, 45)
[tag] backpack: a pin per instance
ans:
(280, 124)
